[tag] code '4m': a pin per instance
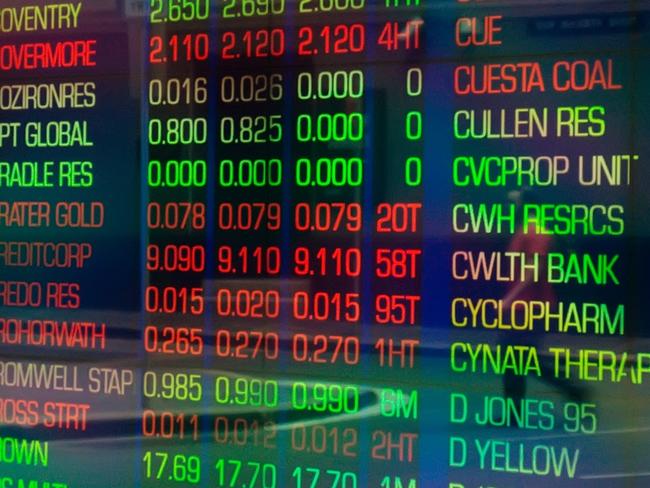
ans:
(396, 482)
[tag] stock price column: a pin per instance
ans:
(175, 251)
(328, 164)
(250, 165)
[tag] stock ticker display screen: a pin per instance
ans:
(324, 243)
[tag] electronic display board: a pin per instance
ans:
(324, 243)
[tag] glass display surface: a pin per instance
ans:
(324, 243)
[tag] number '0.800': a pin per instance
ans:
(178, 131)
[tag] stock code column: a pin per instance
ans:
(176, 180)
(544, 161)
(397, 50)
(63, 108)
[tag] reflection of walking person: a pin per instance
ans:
(530, 242)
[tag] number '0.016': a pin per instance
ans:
(176, 91)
